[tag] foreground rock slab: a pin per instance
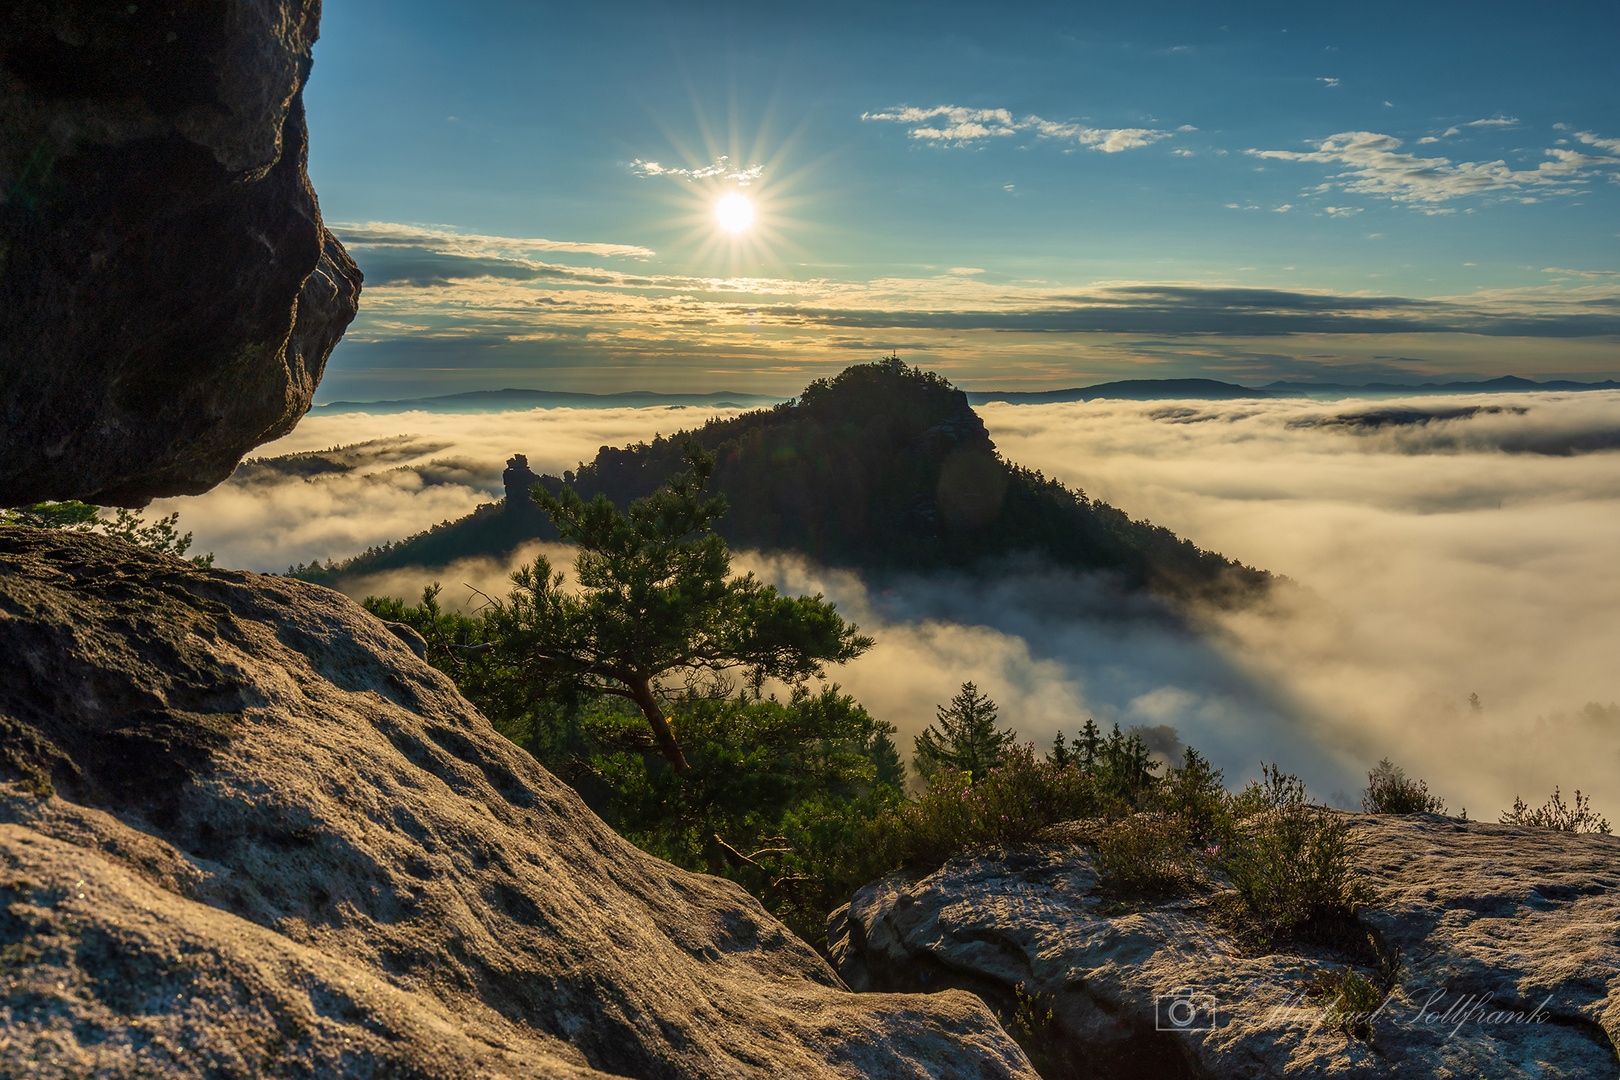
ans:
(245, 832)
(168, 293)
(1508, 939)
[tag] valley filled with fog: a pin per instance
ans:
(1438, 548)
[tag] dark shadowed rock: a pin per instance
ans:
(245, 832)
(168, 294)
(1509, 959)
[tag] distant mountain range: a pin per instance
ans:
(1125, 389)
(1214, 390)
(512, 399)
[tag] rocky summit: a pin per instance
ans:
(245, 831)
(168, 292)
(1500, 946)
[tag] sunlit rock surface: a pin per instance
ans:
(1508, 941)
(244, 831)
(168, 294)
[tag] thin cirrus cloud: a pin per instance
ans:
(443, 238)
(425, 256)
(721, 168)
(1456, 129)
(1248, 312)
(953, 125)
(1375, 166)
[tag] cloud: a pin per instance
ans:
(421, 256)
(1611, 145)
(964, 270)
(1499, 121)
(1375, 167)
(1330, 83)
(721, 168)
(1437, 555)
(1191, 309)
(381, 234)
(1582, 273)
(956, 126)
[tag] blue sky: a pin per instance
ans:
(1034, 197)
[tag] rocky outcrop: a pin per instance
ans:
(1508, 960)
(168, 294)
(244, 831)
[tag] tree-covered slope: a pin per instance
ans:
(885, 469)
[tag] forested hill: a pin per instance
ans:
(885, 468)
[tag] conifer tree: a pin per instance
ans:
(1088, 745)
(966, 737)
(656, 601)
(885, 758)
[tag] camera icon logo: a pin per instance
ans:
(1184, 1009)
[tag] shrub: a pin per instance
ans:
(1579, 818)
(1010, 804)
(1032, 1025)
(1352, 999)
(1278, 789)
(1194, 793)
(1291, 864)
(1389, 791)
(1144, 854)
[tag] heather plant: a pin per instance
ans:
(1033, 1026)
(1291, 864)
(1159, 851)
(1145, 854)
(1276, 789)
(1580, 818)
(1351, 1000)
(1390, 791)
(1010, 804)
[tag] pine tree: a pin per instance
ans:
(657, 602)
(966, 738)
(1060, 754)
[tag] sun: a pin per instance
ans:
(734, 212)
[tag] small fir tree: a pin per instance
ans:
(965, 737)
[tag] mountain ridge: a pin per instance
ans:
(884, 469)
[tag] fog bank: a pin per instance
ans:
(1441, 549)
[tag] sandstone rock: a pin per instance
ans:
(1486, 919)
(246, 832)
(168, 294)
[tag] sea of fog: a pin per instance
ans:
(1457, 606)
